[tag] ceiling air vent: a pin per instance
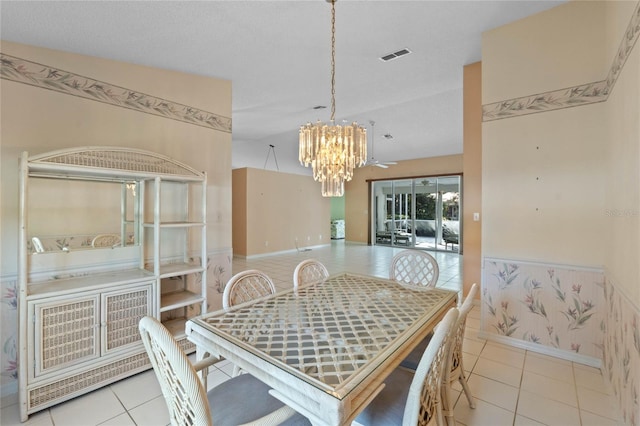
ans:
(394, 55)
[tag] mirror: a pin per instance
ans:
(67, 215)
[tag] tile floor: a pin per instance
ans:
(511, 386)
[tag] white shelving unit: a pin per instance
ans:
(79, 306)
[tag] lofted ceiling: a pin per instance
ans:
(277, 55)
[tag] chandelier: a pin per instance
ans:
(333, 150)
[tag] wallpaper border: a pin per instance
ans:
(51, 78)
(584, 94)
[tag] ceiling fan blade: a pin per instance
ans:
(390, 163)
(382, 166)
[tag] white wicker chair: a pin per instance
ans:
(414, 399)
(418, 269)
(309, 271)
(105, 240)
(456, 367)
(245, 286)
(225, 404)
(414, 267)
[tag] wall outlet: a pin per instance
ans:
(266, 243)
(476, 217)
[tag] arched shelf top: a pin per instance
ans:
(108, 162)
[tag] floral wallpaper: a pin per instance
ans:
(554, 306)
(579, 311)
(621, 360)
(9, 331)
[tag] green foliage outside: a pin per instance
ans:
(426, 207)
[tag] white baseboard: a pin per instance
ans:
(8, 389)
(545, 350)
(273, 253)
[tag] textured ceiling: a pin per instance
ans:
(277, 55)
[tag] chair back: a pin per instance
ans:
(309, 271)
(105, 240)
(414, 267)
(183, 391)
(458, 331)
(245, 286)
(423, 405)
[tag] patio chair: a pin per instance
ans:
(245, 286)
(414, 268)
(414, 399)
(309, 271)
(225, 404)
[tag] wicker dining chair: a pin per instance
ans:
(456, 366)
(417, 269)
(414, 267)
(456, 362)
(309, 271)
(245, 286)
(226, 404)
(409, 399)
(106, 240)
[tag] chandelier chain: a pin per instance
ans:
(333, 60)
(332, 150)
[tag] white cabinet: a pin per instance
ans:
(80, 301)
(71, 331)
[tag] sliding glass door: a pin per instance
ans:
(393, 213)
(420, 213)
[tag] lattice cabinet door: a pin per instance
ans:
(66, 333)
(122, 311)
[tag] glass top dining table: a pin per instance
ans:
(326, 348)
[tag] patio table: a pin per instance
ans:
(325, 349)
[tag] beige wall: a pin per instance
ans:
(281, 210)
(239, 209)
(621, 241)
(543, 187)
(561, 185)
(39, 120)
(548, 51)
(357, 190)
(542, 174)
(472, 178)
